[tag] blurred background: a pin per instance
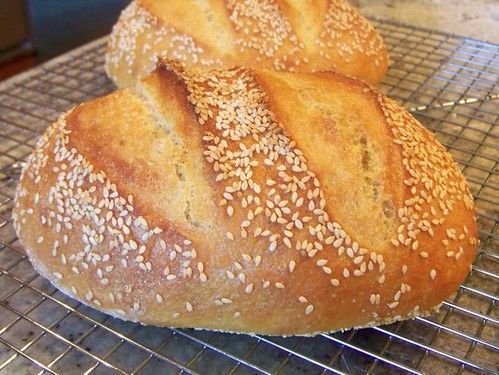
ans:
(33, 31)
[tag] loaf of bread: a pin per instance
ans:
(247, 200)
(288, 35)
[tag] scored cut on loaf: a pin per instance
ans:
(288, 35)
(247, 200)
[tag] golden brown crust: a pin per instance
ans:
(201, 199)
(290, 35)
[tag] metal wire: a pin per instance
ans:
(448, 82)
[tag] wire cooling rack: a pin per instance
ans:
(450, 83)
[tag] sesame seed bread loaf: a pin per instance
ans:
(247, 200)
(289, 35)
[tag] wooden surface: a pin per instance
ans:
(13, 67)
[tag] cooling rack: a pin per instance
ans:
(449, 83)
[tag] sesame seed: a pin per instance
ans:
(309, 309)
(249, 288)
(321, 262)
(397, 295)
(337, 243)
(89, 295)
(334, 282)
(433, 274)
(258, 260)
(273, 246)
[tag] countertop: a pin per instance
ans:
(472, 18)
